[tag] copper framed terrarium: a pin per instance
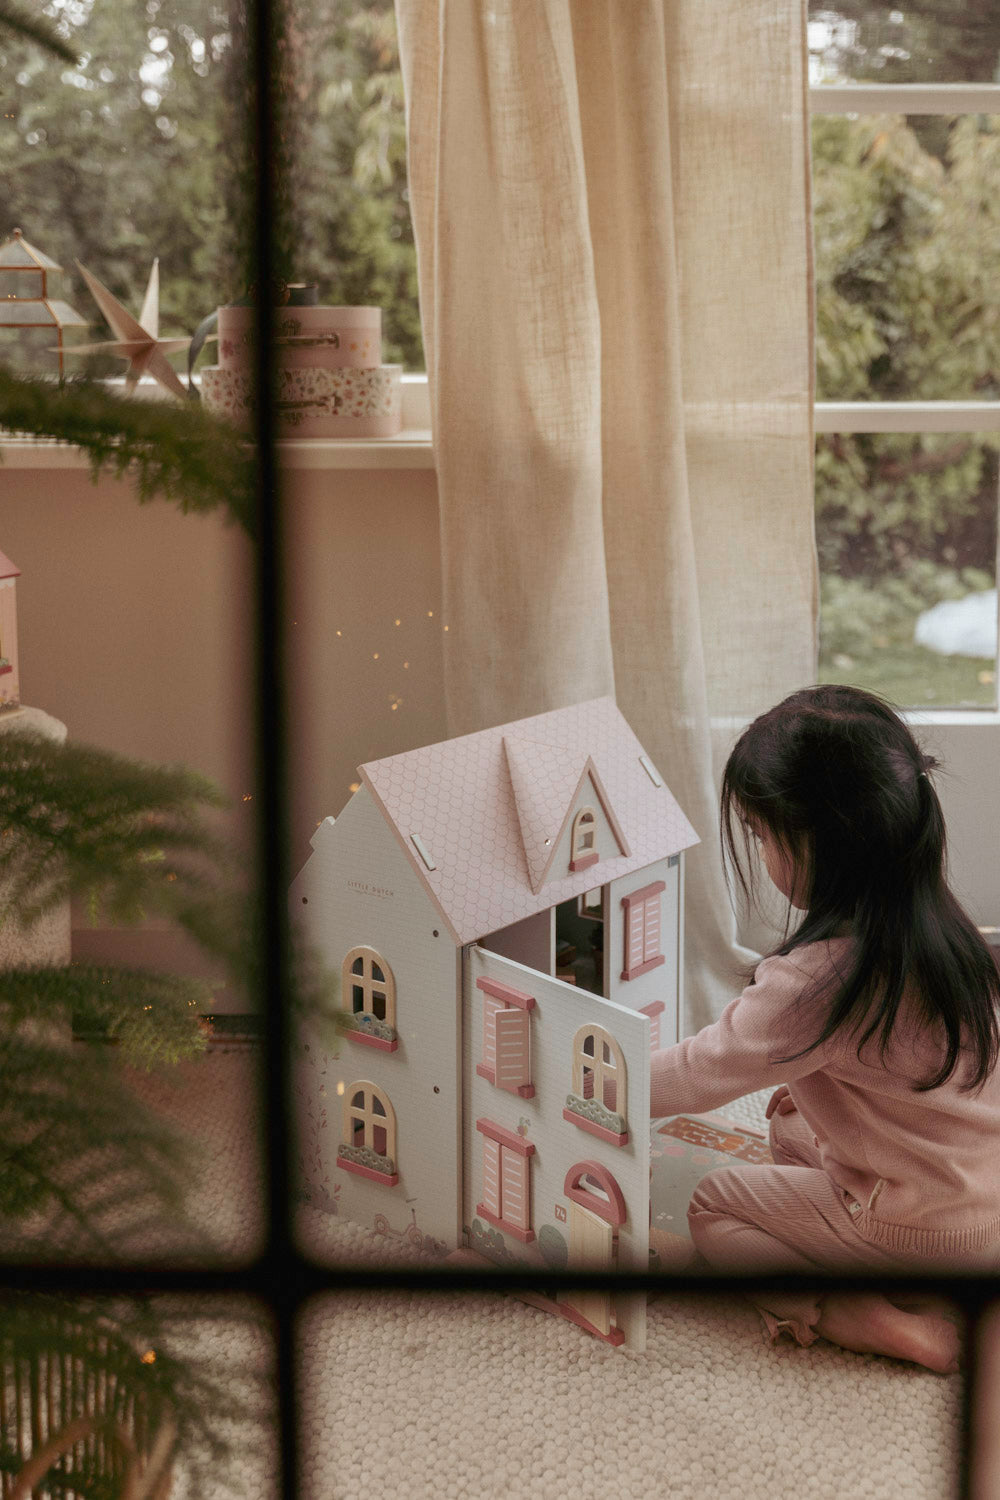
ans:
(24, 292)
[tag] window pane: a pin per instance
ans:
(122, 158)
(938, 41)
(907, 237)
(350, 201)
(906, 529)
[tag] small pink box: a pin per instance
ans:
(325, 338)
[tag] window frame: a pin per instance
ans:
(583, 854)
(369, 986)
(351, 1114)
(591, 1066)
(851, 417)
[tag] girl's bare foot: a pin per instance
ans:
(870, 1324)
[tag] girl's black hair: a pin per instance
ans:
(840, 783)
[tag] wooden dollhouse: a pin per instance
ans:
(504, 912)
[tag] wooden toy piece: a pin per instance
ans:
(10, 677)
(487, 1099)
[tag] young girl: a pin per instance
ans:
(877, 1023)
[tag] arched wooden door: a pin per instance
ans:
(596, 1212)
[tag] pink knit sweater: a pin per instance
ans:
(925, 1168)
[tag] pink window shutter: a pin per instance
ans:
(513, 1048)
(514, 1188)
(634, 945)
(491, 1175)
(654, 1012)
(651, 928)
(491, 1008)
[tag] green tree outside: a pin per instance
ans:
(140, 150)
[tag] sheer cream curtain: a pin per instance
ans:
(610, 202)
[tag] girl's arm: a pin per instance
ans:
(734, 1056)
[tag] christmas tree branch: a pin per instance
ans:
(179, 453)
(151, 1015)
(130, 838)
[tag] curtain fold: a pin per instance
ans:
(610, 204)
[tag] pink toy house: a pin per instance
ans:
(504, 912)
(10, 685)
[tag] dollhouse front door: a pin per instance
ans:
(591, 1247)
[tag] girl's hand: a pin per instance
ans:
(780, 1102)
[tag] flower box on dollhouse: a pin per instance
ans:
(505, 913)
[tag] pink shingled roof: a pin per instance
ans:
(7, 568)
(458, 797)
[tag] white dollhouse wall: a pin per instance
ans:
(560, 1146)
(358, 889)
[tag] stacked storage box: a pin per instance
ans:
(331, 382)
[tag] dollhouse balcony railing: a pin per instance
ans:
(582, 1112)
(358, 1160)
(362, 1029)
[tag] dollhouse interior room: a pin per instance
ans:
(535, 580)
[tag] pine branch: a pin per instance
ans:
(73, 1135)
(153, 1016)
(179, 453)
(35, 28)
(130, 838)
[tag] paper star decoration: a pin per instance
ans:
(138, 342)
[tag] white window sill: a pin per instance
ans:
(413, 448)
(409, 449)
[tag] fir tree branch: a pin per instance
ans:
(153, 1016)
(179, 453)
(72, 1134)
(131, 838)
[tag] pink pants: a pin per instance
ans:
(789, 1217)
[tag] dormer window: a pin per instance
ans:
(369, 997)
(584, 844)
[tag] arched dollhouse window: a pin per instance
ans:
(368, 1134)
(369, 997)
(583, 849)
(599, 1068)
(598, 1099)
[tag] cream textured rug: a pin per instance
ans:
(478, 1395)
